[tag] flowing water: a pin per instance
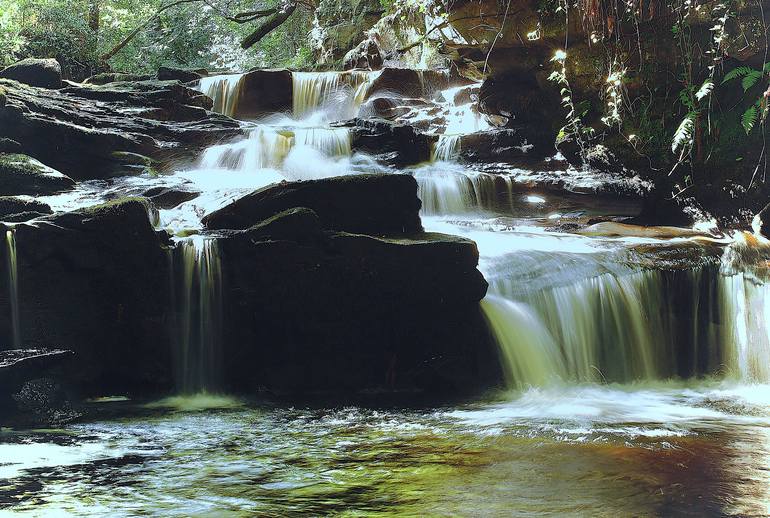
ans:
(637, 368)
(13, 289)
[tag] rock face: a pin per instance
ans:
(345, 23)
(262, 92)
(13, 209)
(366, 55)
(95, 281)
(406, 82)
(371, 204)
(20, 174)
(44, 73)
(179, 74)
(79, 129)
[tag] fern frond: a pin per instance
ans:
(751, 79)
(749, 118)
(684, 133)
(736, 73)
(705, 89)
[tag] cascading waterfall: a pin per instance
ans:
(264, 148)
(342, 92)
(13, 288)
(446, 190)
(446, 148)
(198, 294)
(224, 90)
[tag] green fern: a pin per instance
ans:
(751, 79)
(684, 133)
(737, 72)
(749, 118)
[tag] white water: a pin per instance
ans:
(13, 288)
(224, 90)
(337, 95)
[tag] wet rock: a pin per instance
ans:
(96, 282)
(43, 402)
(180, 74)
(300, 225)
(263, 92)
(406, 82)
(762, 222)
(404, 316)
(505, 145)
(10, 206)
(368, 204)
(168, 198)
(43, 73)
(21, 174)
(519, 97)
(9, 146)
(345, 23)
(394, 143)
(78, 130)
(366, 55)
(115, 77)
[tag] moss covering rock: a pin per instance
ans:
(21, 174)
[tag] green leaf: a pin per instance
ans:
(684, 133)
(736, 73)
(751, 79)
(749, 118)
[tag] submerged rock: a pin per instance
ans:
(21, 174)
(44, 73)
(367, 204)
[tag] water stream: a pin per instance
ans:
(13, 289)
(637, 368)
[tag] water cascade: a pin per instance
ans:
(13, 289)
(224, 90)
(199, 300)
(264, 148)
(340, 93)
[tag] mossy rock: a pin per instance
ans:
(21, 174)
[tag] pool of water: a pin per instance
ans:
(582, 450)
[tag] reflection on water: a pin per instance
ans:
(647, 450)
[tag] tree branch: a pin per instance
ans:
(271, 23)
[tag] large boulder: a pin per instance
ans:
(367, 204)
(44, 73)
(95, 281)
(407, 82)
(262, 92)
(405, 312)
(390, 142)
(21, 174)
(15, 209)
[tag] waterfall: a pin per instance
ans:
(264, 148)
(199, 332)
(447, 148)
(329, 141)
(13, 289)
(444, 189)
(340, 93)
(224, 90)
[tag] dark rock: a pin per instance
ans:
(115, 77)
(367, 204)
(96, 282)
(365, 56)
(406, 82)
(10, 206)
(519, 97)
(42, 402)
(9, 146)
(762, 222)
(168, 198)
(373, 314)
(78, 130)
(300, 225)
(44, 73)
(20, 174)
(180, 74)
(379, 136)
(262, 92)
(505, 145)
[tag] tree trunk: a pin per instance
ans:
(271, 23)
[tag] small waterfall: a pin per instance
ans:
(446, 190)
(341, 93)
(263, 148)
(198, 295)
(529, 355)
(224, 90)
(329, 141)
(447, 148)
(13, 289)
